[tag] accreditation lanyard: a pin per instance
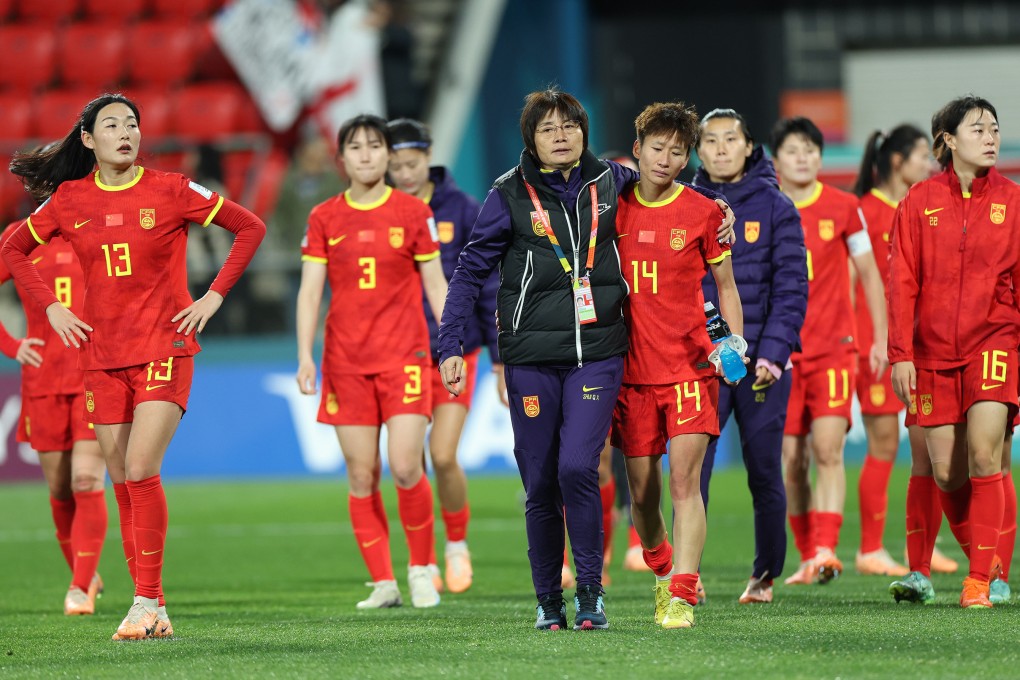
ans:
(547, 227)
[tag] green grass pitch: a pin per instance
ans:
(262, 577)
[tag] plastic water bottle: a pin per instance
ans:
(729, 351)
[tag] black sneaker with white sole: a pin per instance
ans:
(552, 613)
(591, 611)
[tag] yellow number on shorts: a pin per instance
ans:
(413, 386)
(123, 254)
(62, 288)
(167, 366)
(645, 273)
(998, 367)
(810, 267)
(367, 265)
(688, 390)
(834, 394)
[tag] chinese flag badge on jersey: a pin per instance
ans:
(531, 408)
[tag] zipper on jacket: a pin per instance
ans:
(529, 274)
(959, 293)
(577, 273)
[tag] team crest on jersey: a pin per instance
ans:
(396, 237)
(912, 409)
(332, 406)
(752, 230)
(537, 225)
(677, 239)
(926, 404)
(445, 230)
(827, 229)
(90, 402)
(147, 217)
(877, 394)
(998, 213)
(531, 408)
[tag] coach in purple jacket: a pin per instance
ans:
(770, 267)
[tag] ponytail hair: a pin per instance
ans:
(43, 171)
(876, 164)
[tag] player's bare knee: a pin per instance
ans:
(362, 482)
(87, 481)
(984, 462)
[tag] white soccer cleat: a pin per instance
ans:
(423, 591)
(384, 594)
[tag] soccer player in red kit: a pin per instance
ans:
(954, 325)
(670, 390)
(128, 225)
(52, 422)
(824, 369)
(378, 249)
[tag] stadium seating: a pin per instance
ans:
(6, 7)
(14, 200)
(52, 11)
(186, 9)
(115, 9)
(207, 111)
(162, 52)
(154, 108)
(57, 110)
(27, 56)
(92, 55)
(15, 119)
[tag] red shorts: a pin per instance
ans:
(876, 396)
(647, 416)
(943, 397)
(111, 396)
(821, 387)
(440, 395)
(54, 422)
(911, 417)
(353, 399)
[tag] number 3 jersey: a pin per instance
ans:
(665, 249)
(371, 252)
(131, 241)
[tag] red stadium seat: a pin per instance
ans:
(15, 202)
(154, 108)
(57, 110)
(91, 54)
(186, 9)
(5, 8)
(207, 111)
(51, 11)
(15, 119)
(162, 53)
(115, 9)
(27, 56)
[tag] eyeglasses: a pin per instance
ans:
(570, 127)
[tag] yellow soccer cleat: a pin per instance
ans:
(78, 603)
(679, 614)
(138, 624)
(662, 598)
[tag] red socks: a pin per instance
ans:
(827, 526)
(372, 535)
(986, 511)
(88, 532)
(63, 517)
(924, 518)
(956, 505)
(1007, 535)
(684, 586)
(660, 559)
(416, 515)
(149, 516)
(802, 527)
(456, 522)
(608, 494)
(127, 533)
(872, 489)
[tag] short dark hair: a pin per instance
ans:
(42, 171)
(365, 121)
(798, 125)
(538, 105)
(948, 119)
(729, 113)
(673, 118)
(876, 164)
(406, 133)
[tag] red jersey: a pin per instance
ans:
(665, 249)
(59, 268)
(954, 271)
(829, 217)
(131, 241)
(878, 211)
(371, 250)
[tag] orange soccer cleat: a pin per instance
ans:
(459, 574)
(805, 575)
(879, 563)
(975, 594)
(759, 590)
(78, 603)
(163, 628)
(828, 565)
(138, 624)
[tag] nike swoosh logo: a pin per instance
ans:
(369, 544)
(79, 225)
(685, 420)
(334, 241)
(991, 387)
(86, 554)
(586, 389)
(986, 547)
(621, 235)
(758, 387)
(151, 552)
(417, 528)
(834, 404)
(411, 400)
(149, 388)
(932, 212)
(914, 531)
(37, 260)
